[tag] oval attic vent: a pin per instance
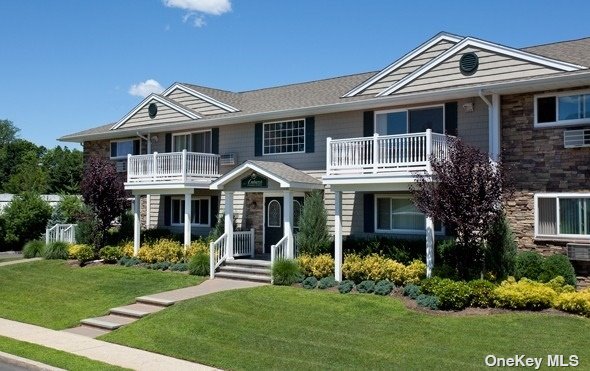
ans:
(152, 110)
(468, 63)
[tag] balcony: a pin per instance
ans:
(390, 157)
(183, 168)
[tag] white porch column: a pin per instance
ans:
(288, 223)
(136, 224)
(229, 223)
(338, 236)
(429, 246)
(187, 219)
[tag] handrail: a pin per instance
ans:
(244, 243)
(173, 166)
(61, 232)
(217, 254)
(279, 250)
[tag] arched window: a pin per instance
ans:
(274, 214)
(296, 213)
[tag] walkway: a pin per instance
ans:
(11, 262)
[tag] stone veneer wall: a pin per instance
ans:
(537, 163)
(253, 218)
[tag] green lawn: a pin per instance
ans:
(52, 357)
(289, 328)
(52, 294)
(9, 257)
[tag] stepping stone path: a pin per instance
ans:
(145, 305)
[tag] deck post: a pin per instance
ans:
(429, 246)
(375, 153)
(338, 236)
(155, 166)
(183, 166)
(287, 223)
(428, 150)
(252, 243)
(229, 223)
(136, 224)
(128, 165)
(187, 219)
(328, 155)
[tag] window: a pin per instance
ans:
(122, 148)
(398, 214)
(200, 211)
(284, 137)
(562, 109)
(274, 214)
(410, 121)
(296, 213)
(562, 215)
(192, 142)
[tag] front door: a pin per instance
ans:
(273, 222)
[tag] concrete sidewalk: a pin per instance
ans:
(11, 262)
(95, 349)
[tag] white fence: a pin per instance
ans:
(244, 243)
(174, 166)
(61, 232)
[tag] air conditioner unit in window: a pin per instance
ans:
(121, 166)
(228, 159)
(576, 138)
(578, 251)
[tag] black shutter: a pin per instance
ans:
(451, 118)
(309, 134)
(167, 210)
(258, 139)
(215, 141)
(368, 123)
(369, 212)
(136, 147)
(113, 149)
(214, 210)
(168, 143)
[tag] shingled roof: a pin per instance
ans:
(573, 51)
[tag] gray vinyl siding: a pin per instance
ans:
(158, 213)
(473, 127)
(492, 67)
(196, 104)
(408, 67)
(165, 115)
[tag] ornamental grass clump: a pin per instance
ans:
(285, 272)
(56, 250)
(199, 264)
(33, 249)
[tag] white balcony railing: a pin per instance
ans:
(384, 153)
(172, 167)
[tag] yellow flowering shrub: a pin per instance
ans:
(317, 266)
(127, 249)
(376, 267)
(73, 250)
(196, 246)
(574, 302)
(523, 294)
(415, 271)
(163, 250)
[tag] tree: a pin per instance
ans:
(13, 154)
(65, 168)
(8, 132)
(103, 191)
(28, 176)
(464, 194)
(313, 237)
(25, 219)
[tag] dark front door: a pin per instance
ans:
(273, 222)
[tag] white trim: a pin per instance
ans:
(557, 196)
(398, 231)
(124, 157)
(285, 121)
(199, 95)
(143, 103)
(193, 198)
(557, 122)
(403, 60)
(407, 110)
(191, 133)
(477, 43)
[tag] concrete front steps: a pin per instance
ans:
(245, 270)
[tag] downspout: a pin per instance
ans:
(493, 125)
(148, 201)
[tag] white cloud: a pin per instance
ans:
(213, 7)
(198, 19)
(143, 89)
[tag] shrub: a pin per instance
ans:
(481, 293)
(310, 283)
(86, 229)
(345, 286)
(313, 237)
(558, 265)
(285, 272)
(412, 291)
(25, 219)
(152, 235)
(558, 285)
(376, 267)
(500, 252)
(574, 302)
(161, 250)
(326, 282)
(528, 264)
(110, 254)
(159, 266)
(415, 272)
(383, 287)
(56, 250)
(33, 249)
(367, 287)
(84, 253)
(127, 249)
(179, 267)
(453, 295)
(428, 285)
(524, 294)
(428, 301)
(401, 250)
(130, 262)
(199, 264)
(196, 247)
(318, 266)
(71, 208)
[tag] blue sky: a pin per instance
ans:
(68, 65)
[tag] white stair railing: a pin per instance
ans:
(279, 250)
(62, 233)
(244, 243)
(217, 254)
